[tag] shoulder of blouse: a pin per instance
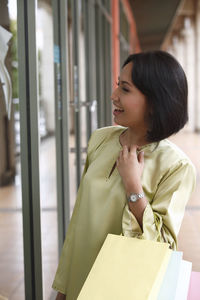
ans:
(172, 152)
(170, 157)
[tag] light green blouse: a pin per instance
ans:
(168, 179)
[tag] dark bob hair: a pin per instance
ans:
(159, 76)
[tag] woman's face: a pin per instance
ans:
(130, 105)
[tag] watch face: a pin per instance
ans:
(133, 198)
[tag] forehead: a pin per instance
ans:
(126, 72)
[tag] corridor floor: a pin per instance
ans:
(11, 246)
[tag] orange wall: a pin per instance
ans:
(134, 42)
(115, 42)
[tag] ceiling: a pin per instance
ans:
(153, 20)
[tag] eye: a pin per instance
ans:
(123, 88)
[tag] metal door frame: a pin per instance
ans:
(61, 116)
(28, 95)
(103, 62)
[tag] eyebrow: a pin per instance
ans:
(122, 81)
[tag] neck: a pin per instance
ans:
(132, 137)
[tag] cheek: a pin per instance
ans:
(138, 106)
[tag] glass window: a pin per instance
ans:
(11, 234)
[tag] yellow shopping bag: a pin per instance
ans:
(127, 268)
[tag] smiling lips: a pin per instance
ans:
(117, 111)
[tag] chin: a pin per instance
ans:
(116, 121)
(120, 123)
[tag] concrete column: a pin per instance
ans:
(170, 49)
(180, 50)
(197, 67)
(177, 48)
(189, 62)
(174, 47)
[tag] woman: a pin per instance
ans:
(135, 182)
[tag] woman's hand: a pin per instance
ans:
(130, 166)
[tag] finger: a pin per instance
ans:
(141, 157)
(125, 150)
(133, 149)
(118, 161)
(120, 155)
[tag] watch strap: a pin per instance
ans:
(135, 197)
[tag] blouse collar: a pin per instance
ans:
(148, 147)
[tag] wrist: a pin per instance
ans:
(133, 188)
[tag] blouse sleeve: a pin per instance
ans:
(162, 218)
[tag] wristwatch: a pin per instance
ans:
(134, 197)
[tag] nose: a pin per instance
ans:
(115, 96)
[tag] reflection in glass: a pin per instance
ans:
(11, 236)
(48, 194)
